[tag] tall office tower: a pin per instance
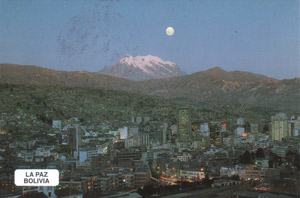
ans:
(123, 133)
(279, 126)
(294, 126)
(254, 129)
(144, 139)
(163, 133)
(224, 128)
(129, 142)
(240, 121)
(74, 139)
(204, 128)
(291, 128)
(174, 129)
(297, 127)
(184, 122)
(164, 136)
(215, 133)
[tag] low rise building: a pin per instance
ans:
(228, 172)
(184, 158)
(254, 172)
(192, 173)
(142, 176)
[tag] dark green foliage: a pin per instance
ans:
(271, 164)
(297, 162)
(245, 158)
(235, 177)
(147, 191)
(260, 153)
(252, 156)
(275, 158)
(266, 128)
(290, 156)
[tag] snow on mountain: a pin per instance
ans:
(143, 68)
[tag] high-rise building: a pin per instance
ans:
(144, 139)
(127, 157)
(129, 142)
(133, 131)
(164, 136)
(254, 129)
(184, 122)
(224, 128)
(279, 126)
(139, 120)
(204, 128)
(163, 133)
(239, 131)
(291, 128)
(240, 121)
(56, 124)
(87, 153)
(74, 139)
(173, 129)
(123, 133)
(294, 126)
(215, 133)
(297, 127)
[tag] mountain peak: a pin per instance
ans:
(127, 56)
(217, 72)
(216, 69)
(142, 61)
(143, 68)
(237, 76)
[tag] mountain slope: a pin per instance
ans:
(213, 85)
(231, 87)
(33, 75)
(143, 68)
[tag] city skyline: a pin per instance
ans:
(256, 36)
(138, 98)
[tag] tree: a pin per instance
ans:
(147, 191)
(297, 162)
(252, 156)
(206, 181)
(260, 153)
(235, 177)
(266, 127)
(275, 158)
(271, 163)
(290, 156)
(245, 158)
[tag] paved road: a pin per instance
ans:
(207, 192)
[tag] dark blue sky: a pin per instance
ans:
(260, 36)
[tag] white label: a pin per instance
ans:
(36, 177)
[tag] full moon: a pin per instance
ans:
(170, 31)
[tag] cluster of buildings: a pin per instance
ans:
(128, 157)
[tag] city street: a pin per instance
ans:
(208, 192)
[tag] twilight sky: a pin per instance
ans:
(260, 36)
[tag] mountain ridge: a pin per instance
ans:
(236, 87)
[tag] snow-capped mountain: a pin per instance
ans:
(143, 68)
